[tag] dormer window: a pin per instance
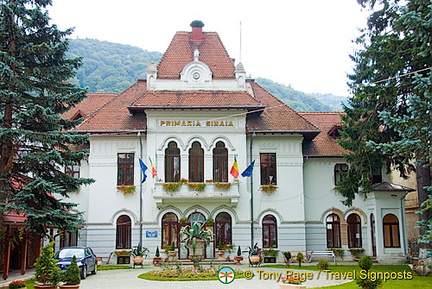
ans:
(334, 132)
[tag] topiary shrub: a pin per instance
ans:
(299, 258)
(72, 274)
(157, 254)
(46, 270)
(365, 263)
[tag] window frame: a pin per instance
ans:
(393, 229)
(335, 236)
(354, 228)
(269, 232)
(268, 168)
(173, 230)
(125, 169)
(338, 170)
(172, 160)
(124, 232)
(223, 229)
(220, 163)
(196, 163)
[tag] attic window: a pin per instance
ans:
(334, 132)
(77, 115)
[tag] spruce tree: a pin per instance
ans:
(387, 122)
(36, 143)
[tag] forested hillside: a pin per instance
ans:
(112, 67)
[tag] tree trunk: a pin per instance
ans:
(423, 180)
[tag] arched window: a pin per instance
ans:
(169, 229)
(196, 217)
(223, 229)
(172, 163)
(269, 232)
(220, 163)
(333, 231)
(123, 232)
(354, 231)
(391, 231)
(196, 163)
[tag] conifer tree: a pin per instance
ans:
(36, 144)
(387, 122)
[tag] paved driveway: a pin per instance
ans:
(119, 279)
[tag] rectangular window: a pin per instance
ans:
(73, 171)
(268, 168)
(339, 170)
(125, 169)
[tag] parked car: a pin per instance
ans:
(86, 259)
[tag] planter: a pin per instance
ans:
(138, 260)
(45, 286)
(172, 253)
(157, 261)
(198, 252)
(292, 286)
(238, 259)
(220, 253)
(69, 286)
(254, 259)
(421, 270)
(269, 259)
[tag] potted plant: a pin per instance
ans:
(339, 252)
(126, 190)
(138, 253)
(229, 248)
(323, 264)
(157, 258)
(209, 222)
(270, 255)
(421, 267)
(287, 256)
(222, 186)
(71, 277)
(196, 238)
(268, 189)
(254, 257)
(46, 271)
(197, 187)
(238, 257)
(291, 282)
(356, 252)
(220, 251)
(17, 284)
(171, 187)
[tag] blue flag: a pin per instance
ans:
(143, 169)
(248, 171)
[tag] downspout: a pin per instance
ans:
(402, 208)
(140, 194)
(251, 192)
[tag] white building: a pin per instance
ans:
(193, 116)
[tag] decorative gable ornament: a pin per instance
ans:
(196, 73)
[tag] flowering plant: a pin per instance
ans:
(291, 280)
(17, 284)
(268, 188)
(127, 190)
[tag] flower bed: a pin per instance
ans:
(184, 274)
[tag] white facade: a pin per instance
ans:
(300, 205)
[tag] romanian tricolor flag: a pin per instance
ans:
(234, 169)
(153, 170)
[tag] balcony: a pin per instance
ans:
(176, 193)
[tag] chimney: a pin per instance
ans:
(197, 34)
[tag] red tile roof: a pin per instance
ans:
(180, 52)
(277, 116)
(323, 144)
(89, 105)
(197, 99)
(114, 115)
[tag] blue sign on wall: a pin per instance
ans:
(151, 234)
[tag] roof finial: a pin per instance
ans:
(196, 54)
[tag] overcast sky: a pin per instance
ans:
(303, 43)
